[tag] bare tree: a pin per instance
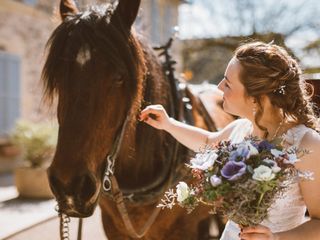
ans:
(248, 17)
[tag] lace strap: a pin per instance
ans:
(294, 135)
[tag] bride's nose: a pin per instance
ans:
(221, 85)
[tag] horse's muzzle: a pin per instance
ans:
(75, 210)
(77, 196)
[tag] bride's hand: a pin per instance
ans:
(156, 116)
(258, 232)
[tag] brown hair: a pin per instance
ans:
(268, 69)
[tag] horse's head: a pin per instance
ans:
(96, 67)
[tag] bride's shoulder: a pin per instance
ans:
(239, 125)
(240, 122)
(310, 162)
(310, 141)
(299, 134)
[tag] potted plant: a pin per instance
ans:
(9, 155)
(37, 142)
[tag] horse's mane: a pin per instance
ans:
(85, 40)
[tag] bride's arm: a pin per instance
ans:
(195, 138)
(310, 190)
(190, 136)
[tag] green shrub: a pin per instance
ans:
(37, 141)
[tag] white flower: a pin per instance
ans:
(183, 191)
(263, 173)
(215, 180)
(276, 152)
(274, 166)
(204, 161)
(292, 158)
(252, 150)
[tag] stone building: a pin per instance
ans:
(25, 26)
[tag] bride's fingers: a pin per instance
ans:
(256, 229)
(254, 236)
(153, 107)
(145, 113)
(152, 122)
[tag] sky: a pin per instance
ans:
(197, 20)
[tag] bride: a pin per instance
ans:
(263, 86)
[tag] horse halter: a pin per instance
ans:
(112, 156)
(110, 184)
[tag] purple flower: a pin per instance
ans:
(241, 153)
(265, 145)
(233, 170)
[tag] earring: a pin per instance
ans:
(254, 111)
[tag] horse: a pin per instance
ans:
(101, 72)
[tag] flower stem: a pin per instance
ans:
(205, 203)
(260, 199)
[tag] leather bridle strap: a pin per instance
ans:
(109, 171)
(119, 200)
(110, 183)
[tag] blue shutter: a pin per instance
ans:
(9, 91)
(30, 2)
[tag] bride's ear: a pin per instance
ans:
(252, 100)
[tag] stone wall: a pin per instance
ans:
(24, 30)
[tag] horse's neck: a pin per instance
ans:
(145, 149)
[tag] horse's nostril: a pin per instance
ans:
(87, 187)
(56, 186)
(80, 189)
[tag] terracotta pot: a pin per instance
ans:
(32, 182)
(9, 150)
(10, 158)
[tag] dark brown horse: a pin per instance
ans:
(102, 74)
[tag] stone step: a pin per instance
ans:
(7, 193)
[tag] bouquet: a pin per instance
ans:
(238, 180)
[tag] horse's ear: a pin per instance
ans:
(127, 11)
(67, 7)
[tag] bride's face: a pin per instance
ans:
(235, 100)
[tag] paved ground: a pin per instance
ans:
(27, 219)
(49, 230)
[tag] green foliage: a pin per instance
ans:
(37, 141)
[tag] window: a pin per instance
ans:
(9, 91)
(30, 2)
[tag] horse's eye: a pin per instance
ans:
(118, 79)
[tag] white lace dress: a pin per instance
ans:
(288, 211)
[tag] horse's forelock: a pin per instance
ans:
(74, 41)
